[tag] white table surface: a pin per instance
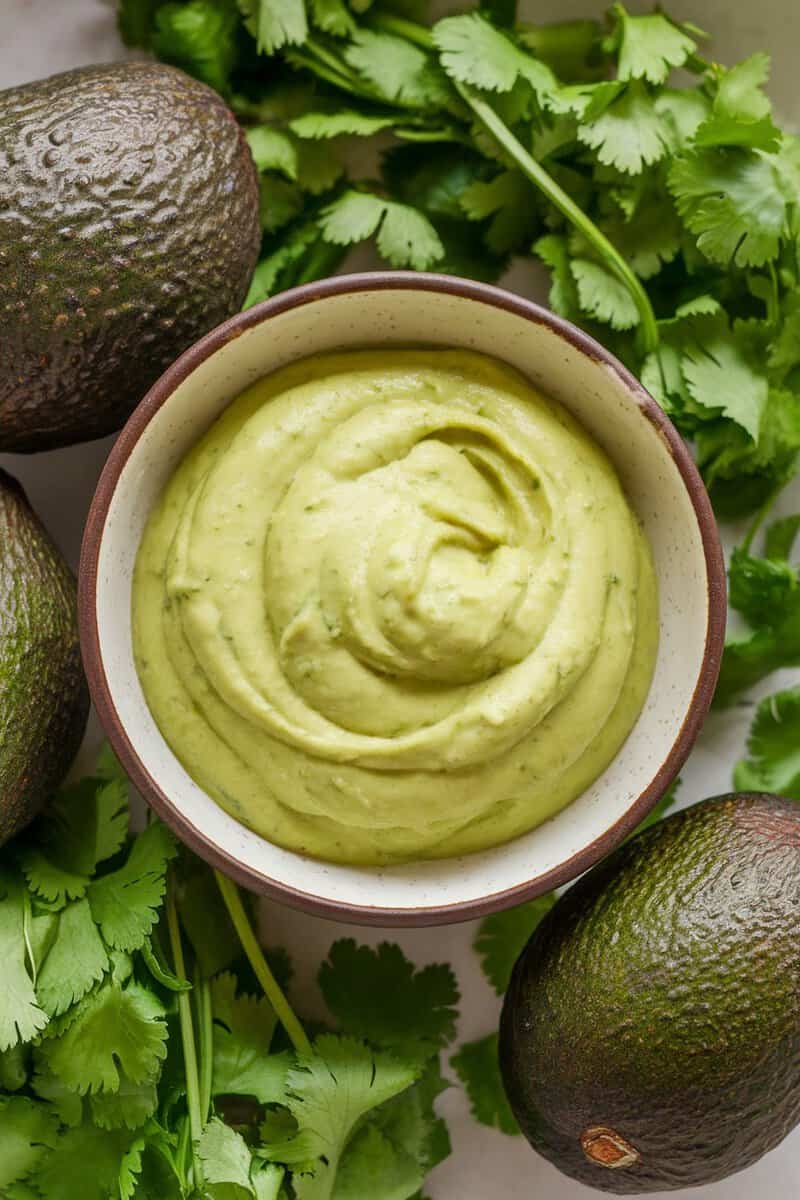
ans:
(40, 37)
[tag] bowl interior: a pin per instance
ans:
(607, 406)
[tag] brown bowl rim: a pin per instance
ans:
(194, 837)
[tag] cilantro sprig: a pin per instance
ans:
(144, 1030)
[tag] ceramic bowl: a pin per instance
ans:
(383, 309)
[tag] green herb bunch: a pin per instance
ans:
(663, 206)
(147, 1049)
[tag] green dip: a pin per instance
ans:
(394, 605)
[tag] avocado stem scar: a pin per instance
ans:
(607, 1148)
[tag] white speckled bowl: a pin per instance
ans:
(656, 469)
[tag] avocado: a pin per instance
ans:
(44, 701)
(129, 227)
(650, 1038)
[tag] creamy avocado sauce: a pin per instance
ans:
(394, 605)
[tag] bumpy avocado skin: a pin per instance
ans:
(659, 1003)
(129, 227)
(44, 701)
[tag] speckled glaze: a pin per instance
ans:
(44, 701)
(128, 227)
(395, 308)
(651, 1035)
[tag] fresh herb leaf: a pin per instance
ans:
(476, 1065)
(328, 1093)
(474, 52)
(781, 537)
(417, 1013)
(502, 937)
(734, 203)
(630, 134)
(343, 121)
(275, 23)
(21, 1016)
(243, 1032)
(602, 295)
(84, 1165)
(741, 114)
(126, 902)
(113, 1033)
(650, 47)
(226, 1161)
(28, 1131)
(405, 237)
(376, 1167)
(200, 37)
(129, 1107)
(774, 748)
(75, 963)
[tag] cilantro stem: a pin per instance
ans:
(568, 208)
(255, 955)
(540, 178)
(27, 915)
(185, 1016)
(760, 518)
(205, 1021)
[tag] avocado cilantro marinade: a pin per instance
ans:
(394, 605)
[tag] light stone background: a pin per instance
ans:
(39, 37)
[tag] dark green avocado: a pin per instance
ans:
(650, 1038)
(44, 701)
(129, 227)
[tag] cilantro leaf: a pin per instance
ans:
(477, 1066)
(28, 1130)
(13, 1068)
(243, 1031)
(417, 1014)
(603, 296)
(741, 114)
(275, 23)
(474, 52)
(734, 203)
(343, 121)
(375, 1167)
(719, 375)
(272, 150)
(630, 134)
(742, 474)
(114, 1032)
(68, 1105)
(774, 748)
(511, 203)
(502, 937)
(126, 1108)
(126, 902)
(147, 1169)
(76, 961)
(85, 824)
(21, 1017)
(767, 593)
(410, 1122)
(405, 237)
(226, 1160)
(200, 37)
(650, 46)
(399, 71)
(84, 1165)
(328, 1093)
(781, 537)
(553, 250)
(333, 16)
